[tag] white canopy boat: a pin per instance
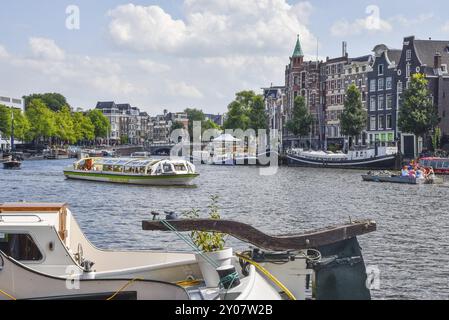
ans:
(142, 171)
(42, 249)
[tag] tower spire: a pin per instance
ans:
(298, 50)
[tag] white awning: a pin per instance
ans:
(226, 138)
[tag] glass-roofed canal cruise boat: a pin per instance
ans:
(141, 171)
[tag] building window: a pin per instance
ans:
(389, 103)
(380, 84)
(372, 85)
(381, 124)
(389, 121)
(408, 55)
(407, 70)
(372, 104)
(372, 123)
(389, 83)
(399, 87)
(380, 102)
(381, 70)
(20, 247)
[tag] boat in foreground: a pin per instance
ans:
(45, 255)
(141, 171)
(11, 163)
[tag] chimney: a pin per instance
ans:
(437, 61)
(344, 49)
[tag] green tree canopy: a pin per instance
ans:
(247, 111)
(65, 130)
(258, 117)
(301, 119)
(177, 125)
(100, 122)
(354, 116)
(54, 101)
(417, 114)
(21, 123)
(42, 120)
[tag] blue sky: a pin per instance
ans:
(182, 53)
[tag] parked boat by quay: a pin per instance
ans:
(439, 165)
(42, 249)
(375, 158)
(141, 171)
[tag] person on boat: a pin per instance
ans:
(404, 171)
(412, 173)
(419, 174)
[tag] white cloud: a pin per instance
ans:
(3, 53)
(359, 26)
(182, 89)
(445, 27)
(46, 49)
(409, 22)
(152, 66)
(213, 27)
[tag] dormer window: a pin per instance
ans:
(408, 55)
(381, 70)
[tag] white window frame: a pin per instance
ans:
(389, 97)
(380, 84)
(389, 83)
(372, 85)
(372, 123)
(380, 106)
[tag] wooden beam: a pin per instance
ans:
(249, 234)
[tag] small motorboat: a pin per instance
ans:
(12, 164)
(393, 178)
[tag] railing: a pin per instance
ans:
(2, 216)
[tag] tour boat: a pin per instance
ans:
(12, 164)
(439, 165)
(142, 171)
(45, 255)
(383, 158)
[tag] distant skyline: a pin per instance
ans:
(176, 54)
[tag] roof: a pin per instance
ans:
(105, 105)
(394, 55)
(298, 50)
(226, 138)
(427, 49)
(31, 207)
(366, 59)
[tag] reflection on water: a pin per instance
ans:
(410, 248)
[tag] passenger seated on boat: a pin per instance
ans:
(404, 172)
(412, 174)
(419, 174)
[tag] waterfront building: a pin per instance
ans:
(275, 100)
(303, 78)
(333, 96)
(127, 123)
(382, 125)
(431, 58)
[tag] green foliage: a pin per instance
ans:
(177, 125)
(417, 114)
(83, 127)
(301, 119)
(64, 127)
(208, 241)
(100, 122)
(54, 101)
(247, 111)
(42, 120)
(354, 117)
(21, 123)
(436, 138)
(5, 121)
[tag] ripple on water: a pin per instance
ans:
(411, 246)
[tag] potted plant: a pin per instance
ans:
(213, 253)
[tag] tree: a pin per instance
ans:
(258, 117)
(83, 127)
(42, 120)
(354, 116)
(21, 125)
(193, 115)
(53, 101)
(5, 121)
(301, 119)
(177, 125)
(100, 122)
(417, 114)
(64, 128)
(237, 117)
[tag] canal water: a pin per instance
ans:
(410, 248)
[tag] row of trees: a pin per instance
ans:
(53, 124)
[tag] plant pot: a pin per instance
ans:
(210, 274)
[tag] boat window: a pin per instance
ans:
(20, 247)
(439, 164)
(180, 167)
(432, 164)
(446, 165)
(167, 167)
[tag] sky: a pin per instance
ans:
(174, 54)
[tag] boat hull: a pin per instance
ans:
(162, 180)
(11, 165)
(399, 179)
(385, 162)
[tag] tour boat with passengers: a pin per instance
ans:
(439, 165)
(45, 255)
(142, 171)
